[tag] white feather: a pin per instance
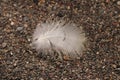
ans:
(64, 38)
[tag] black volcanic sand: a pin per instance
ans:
(100, 20)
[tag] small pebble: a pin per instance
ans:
(97, 52)
(118, 3)
(29, 39)
(19, 28)
(11, 53)
(41, 79)
(1, 40)
(12, 23)
(118, 48)
(4, 45)
(114, 66)
(65, 79)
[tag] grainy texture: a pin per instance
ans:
(100, 20)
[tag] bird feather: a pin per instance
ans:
(64, 38)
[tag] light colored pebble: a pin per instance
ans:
(19, 28)
(4, 45)
(41, 79)
(12, 23)
(118, 3)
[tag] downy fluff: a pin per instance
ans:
(60, 37)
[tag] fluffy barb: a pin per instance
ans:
(65, 38)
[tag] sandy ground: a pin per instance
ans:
(100, 20)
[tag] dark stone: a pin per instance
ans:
(36, 2)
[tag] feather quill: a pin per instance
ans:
(64, 38)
